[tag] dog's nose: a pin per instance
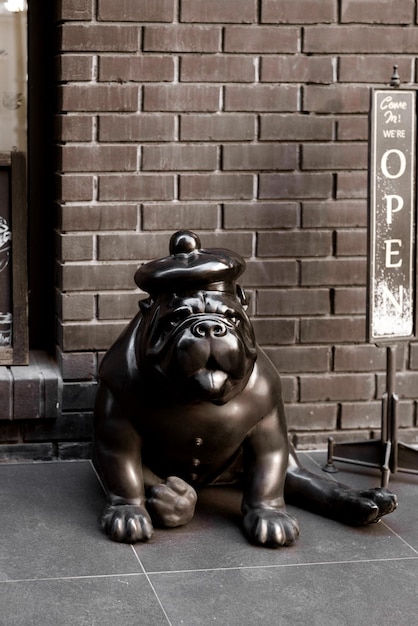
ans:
(209, 328)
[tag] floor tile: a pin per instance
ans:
(214, 540)
(403, 521)
(340, 594)
(49, 523)
(114, 601)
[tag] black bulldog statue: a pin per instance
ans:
(183, 392)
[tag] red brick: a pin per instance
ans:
(99, 37)
(137, 127)
(352, 128)
(77, 306)
(261, 39)
(351, 185)
(294, 244)
(181, 97)
(136, 10)
(90, 336)
(320, 387)
(179, 157)
(216, 186)
(378, 11)
(174, 216)
(350, 301)
(218, 11)
(75, 10)
(74, 128)
(222, 127)
(297, 69)
(293, 127)
(260, 157)
(313, 417)
(296, 359)
(137, 69)
(312, 440)
(128, 247)
(221, 68)
(76, 247)
(96, 217)
(77, 365)
(293, 302)
(79, 396)
(295, 185)
(88, 97)
(336, 99)
(96, 277)
(334, 156)
(182, 38)
(275, 331)
(289, 388)
(74, 188)
(332, 329)
(261, 97)
(117, 306)
(74, 67)
(98, 158)
(259, 215)
(406, 384)
(137, 187)
(333, 272)
(413, 356)
(361, 39)
(358, 415)
(351, 243)
(371, 69)
(359, 358)
(6, 394)
(239, 242)
(271, 274)
(332, 214)
(300, 12)
(27, 393)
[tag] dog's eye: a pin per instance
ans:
(233, 317)
(178, 316)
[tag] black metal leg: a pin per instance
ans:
(386, 453)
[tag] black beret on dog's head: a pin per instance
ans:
(190, 267)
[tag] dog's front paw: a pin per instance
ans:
(385, 500)
(270, 528)
(127, 523)
(172, 503)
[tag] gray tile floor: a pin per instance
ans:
(56, 568)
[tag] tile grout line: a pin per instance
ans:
(152, 586)
(205, 569)
(399, 537)
(284, 565)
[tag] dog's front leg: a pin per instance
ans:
(265, 519)
(117, 458)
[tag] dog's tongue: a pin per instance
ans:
(212, 381)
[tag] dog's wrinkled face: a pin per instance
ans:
(201, 343)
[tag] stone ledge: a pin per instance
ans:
(31, 391)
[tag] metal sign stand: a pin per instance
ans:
(387, 453)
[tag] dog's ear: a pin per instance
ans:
(242, 297)
(145, 305)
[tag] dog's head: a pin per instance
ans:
(195, 335)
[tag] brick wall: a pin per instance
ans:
(246, 121)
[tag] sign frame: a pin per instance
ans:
(391, 307)
(14, 165)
